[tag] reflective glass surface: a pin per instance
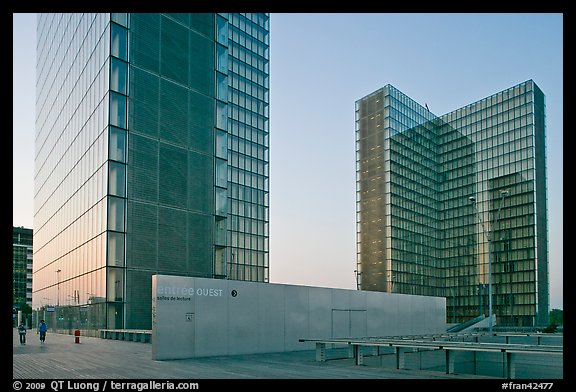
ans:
(152, 146)
(417, 230)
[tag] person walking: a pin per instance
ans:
(42, 328)
(22, 332)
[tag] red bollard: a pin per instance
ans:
(77, 336)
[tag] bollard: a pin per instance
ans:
(77, 336)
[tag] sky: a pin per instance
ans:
(320, 64)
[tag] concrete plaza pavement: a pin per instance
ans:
(95, 358)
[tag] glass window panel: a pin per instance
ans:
(222, 87)
(117, 179)
(220, 235)
(221, 173)
(222, 25)
(116, 249)
(221, 201)
(221, 144)
(117, 144)
(115, 281)
(117, 110)
(115, 214)
(220, 261)
(118, 75)
(221, 115)
(222, 59)
(118, 42)
(120, 18)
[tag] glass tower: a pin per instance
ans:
(418, 231)
(151, 158)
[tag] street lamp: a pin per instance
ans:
(44, 306)
(489, 237)
(58, 286)
(391, 278)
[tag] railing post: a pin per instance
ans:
(359, 354)
(351, 351)
(399, 357)
(475, 362)
(449, 361)
(320, 352)
(510, 365)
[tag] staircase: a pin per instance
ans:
(467, 324)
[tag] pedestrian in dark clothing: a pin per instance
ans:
(42, 328)
(22, 332)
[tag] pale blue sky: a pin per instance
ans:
(320, 64)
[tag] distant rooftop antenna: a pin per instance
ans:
(427, 106)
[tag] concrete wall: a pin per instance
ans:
(199, 317)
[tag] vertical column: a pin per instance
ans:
(221, 146)
(474, 354)
(351, 353)
(117, 159)
(400, 360)
(359, 354)
(449, 361)
(510, 365)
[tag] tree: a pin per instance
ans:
(557, 316)
(25, 308)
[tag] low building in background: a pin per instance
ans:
(21, 271)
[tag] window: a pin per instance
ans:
(222, 59)
(115, 213)
(221, 201)
(118, 75)
(222, 87)
(115, 249)
(221, 173)
(120, 18)
(117, 110)
(117, 179)
(221, 115)
(118, 42)
(117, 148)
(221, 144)
(222, 34)
(115, 284)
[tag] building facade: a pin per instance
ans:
(151, 158)
(21, 267)
(447, 204)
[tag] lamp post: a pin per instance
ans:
(391, 277)
(489, 237)
(58, 286)
(44, 306)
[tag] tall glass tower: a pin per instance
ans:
(151, 158)
(418, 231)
